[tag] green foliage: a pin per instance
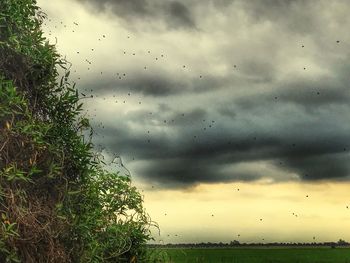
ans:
(257, 255)
(113, 209)
(57, 204)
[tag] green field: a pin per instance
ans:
(256, 255)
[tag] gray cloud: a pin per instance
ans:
(227, 111)
(309, 94)
(320, 167)
(188, 154)
(180, 16)
(174, 14)
(243, 99)
(188, 118)
(157, 84)
(147, 85)
(121, 7)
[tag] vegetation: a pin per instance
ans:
(237, 244)
(257, 255)
(57, 204)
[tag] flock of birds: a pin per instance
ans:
(209, 124)
(122, 76)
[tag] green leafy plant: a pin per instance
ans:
(57, 204)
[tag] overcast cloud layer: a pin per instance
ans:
(219, 91)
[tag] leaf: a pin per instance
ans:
(74, 192)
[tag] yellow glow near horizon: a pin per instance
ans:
(219, 212)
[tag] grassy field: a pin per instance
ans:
(256, 255)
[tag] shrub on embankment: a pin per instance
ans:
(57, 204)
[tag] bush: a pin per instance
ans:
(57, 204)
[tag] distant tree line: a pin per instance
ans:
(236, 243)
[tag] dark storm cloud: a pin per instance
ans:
(162, 107)
(227, 110)
(157, 85)
(174, 14)
(174, 161)
(153, 86)
(180, 172)
(165, 116)
(308, 94)
(257, 105)
(291, 14)
(149, 85)
(329, 166)
(188, 118)
(180, 16)
(122, 7)
(314, 151)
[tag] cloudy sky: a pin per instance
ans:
(232, 116)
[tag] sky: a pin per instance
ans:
(231, 116)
